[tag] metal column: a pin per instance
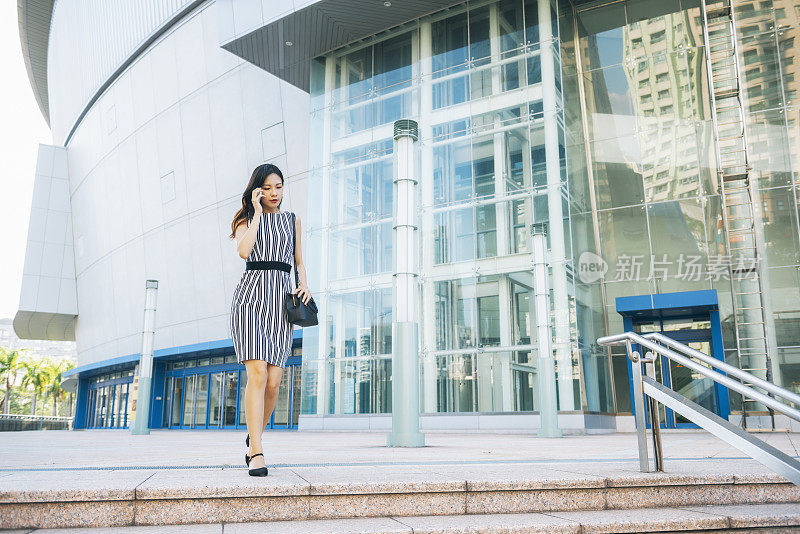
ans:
(405, 301)
(142, 414)
(546, 369)
(555, 207)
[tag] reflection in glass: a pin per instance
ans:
(230, 399)
(177, 399)
(281, 413)
(215, 400)
(242, 385)
(201, 404)
(188, 403)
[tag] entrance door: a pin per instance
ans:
(696, 333)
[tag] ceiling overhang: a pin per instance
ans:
(318, 28)
(44, 325)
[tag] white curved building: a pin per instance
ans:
(592, 121)
(156, 130)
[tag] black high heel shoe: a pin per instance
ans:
(258, 471)
(247, 439)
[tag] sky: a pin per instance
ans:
(23, 128)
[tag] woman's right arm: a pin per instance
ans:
(246, 236)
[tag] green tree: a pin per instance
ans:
(10, 365)
(36, 376)
(55, 370)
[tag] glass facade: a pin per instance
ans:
(591, 118)
(110, 400)
(642, 126)
(190, 393)
(206, 393)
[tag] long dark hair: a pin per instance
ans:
(247, 211)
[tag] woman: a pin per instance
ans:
(260, 329)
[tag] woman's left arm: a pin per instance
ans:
(302, 288)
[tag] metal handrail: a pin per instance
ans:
(726, 368)
(647, 390)
(631, 337)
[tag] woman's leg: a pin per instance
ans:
(254, 406)
(274, 374)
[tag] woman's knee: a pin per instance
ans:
(257, 373)
(274, 380)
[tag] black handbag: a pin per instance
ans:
(299, 313)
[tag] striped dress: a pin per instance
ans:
(259, 325)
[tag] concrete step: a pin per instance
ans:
(732, 518)
(108, 498)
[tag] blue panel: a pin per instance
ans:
(157, 389)
(81, 404)
(104, 366)
(680, 304)
(206, 348)
(695, 304)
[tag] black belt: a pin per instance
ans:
(277, 265)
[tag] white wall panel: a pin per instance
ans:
(52, 260)
(201, 188)
(154, 195)
(190, 57)
(89, 40)
(38, 222)
(169, 150)
(48, 302)
(164, 70)
(206, 258)
(224, 96)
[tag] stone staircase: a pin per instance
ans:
(724, 495)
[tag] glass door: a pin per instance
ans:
(280, 416)
(201, 402)
(176, 408)
(188, 402)
(215, 400)
(90, 409)
(231, 391)
(295, 395)
(696, 333)
(692, 385)
(242, 386)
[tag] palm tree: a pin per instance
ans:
(56, 369)
(10, 365)
(37, 376)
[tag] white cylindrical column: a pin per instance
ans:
(555, 210)
(405, 343)
(546, 369)
(145, 378)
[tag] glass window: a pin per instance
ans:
(177, 400)
(678, 237)
(618, 172)
(215, 400)
(231, 390)
(450, 57)
(780, 227)
(600, 30)
(188, 403)
(201, 405)
(242, 386)
(360, 385)
(626, 247)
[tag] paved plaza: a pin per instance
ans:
(91, 450)
(351, 482)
